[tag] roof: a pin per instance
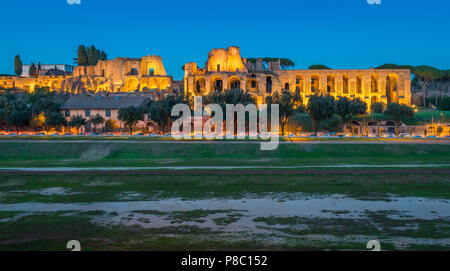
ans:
(100, 102)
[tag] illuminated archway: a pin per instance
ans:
(391, 88)
(299, 83)
(359, 84)
(331, 84)
(217, 84)
(374, 83)
(345, 88)
(252, 84)
(200, 85)
(234, 83)
(132, 84)
(315, 84)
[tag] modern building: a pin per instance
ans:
(66, 69)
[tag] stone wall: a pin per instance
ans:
(369, 85)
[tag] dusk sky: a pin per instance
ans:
(338, 33)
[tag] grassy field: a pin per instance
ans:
(51, 229)
(89, 154)
(254, 210)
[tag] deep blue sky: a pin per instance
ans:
(338, 33)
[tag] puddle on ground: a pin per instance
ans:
(51, 191)
(231, 216)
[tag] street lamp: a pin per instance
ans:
(432, 118)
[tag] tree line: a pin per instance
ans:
(326, 112)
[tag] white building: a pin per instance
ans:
(60, 67)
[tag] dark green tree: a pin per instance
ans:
(286, 106)
(82, 56)
(131, 116)
(160, 111)
(318, 67)
(77, 122)
(333, 124)
(18, 65)
(425, 75)
(347, 109)
(97, 120)
(55, 120)
(19, 119)
(321, 108)
(33, 71)
(399, 111)
(103, 56)
(377, 108)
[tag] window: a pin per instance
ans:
(67, 113)
(88, 113)
(108, 112)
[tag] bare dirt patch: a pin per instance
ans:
(96, 153)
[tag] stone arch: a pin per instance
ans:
(391, 88)
(315, 84)
(234, 82)
(299, 83)
(200, 85)
(374, 99)
(374, 83)
(252, 84)
(359, 84)
(331, 83)
(286, 86)
(269, 84)
(217, 84)
(132, 84)
(345, 87)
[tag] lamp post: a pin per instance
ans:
(432, 118)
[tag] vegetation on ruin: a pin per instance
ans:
(319, 67)
(89, 56)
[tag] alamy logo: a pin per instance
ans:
(374, 2)
(74, 2)
(209, 122)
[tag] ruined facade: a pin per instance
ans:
(116, 75)
(225, 69)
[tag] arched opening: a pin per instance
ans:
(132, 84)
(217, 84)
(200, 86)
(391, 89)
(234, 83)
(299, 83)
(345, 89)
(286, 86)
(269, 84)
(373, 100)
(252, 84)
(359, 84)
(315, 84)
(374, 83)
(331, 84)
